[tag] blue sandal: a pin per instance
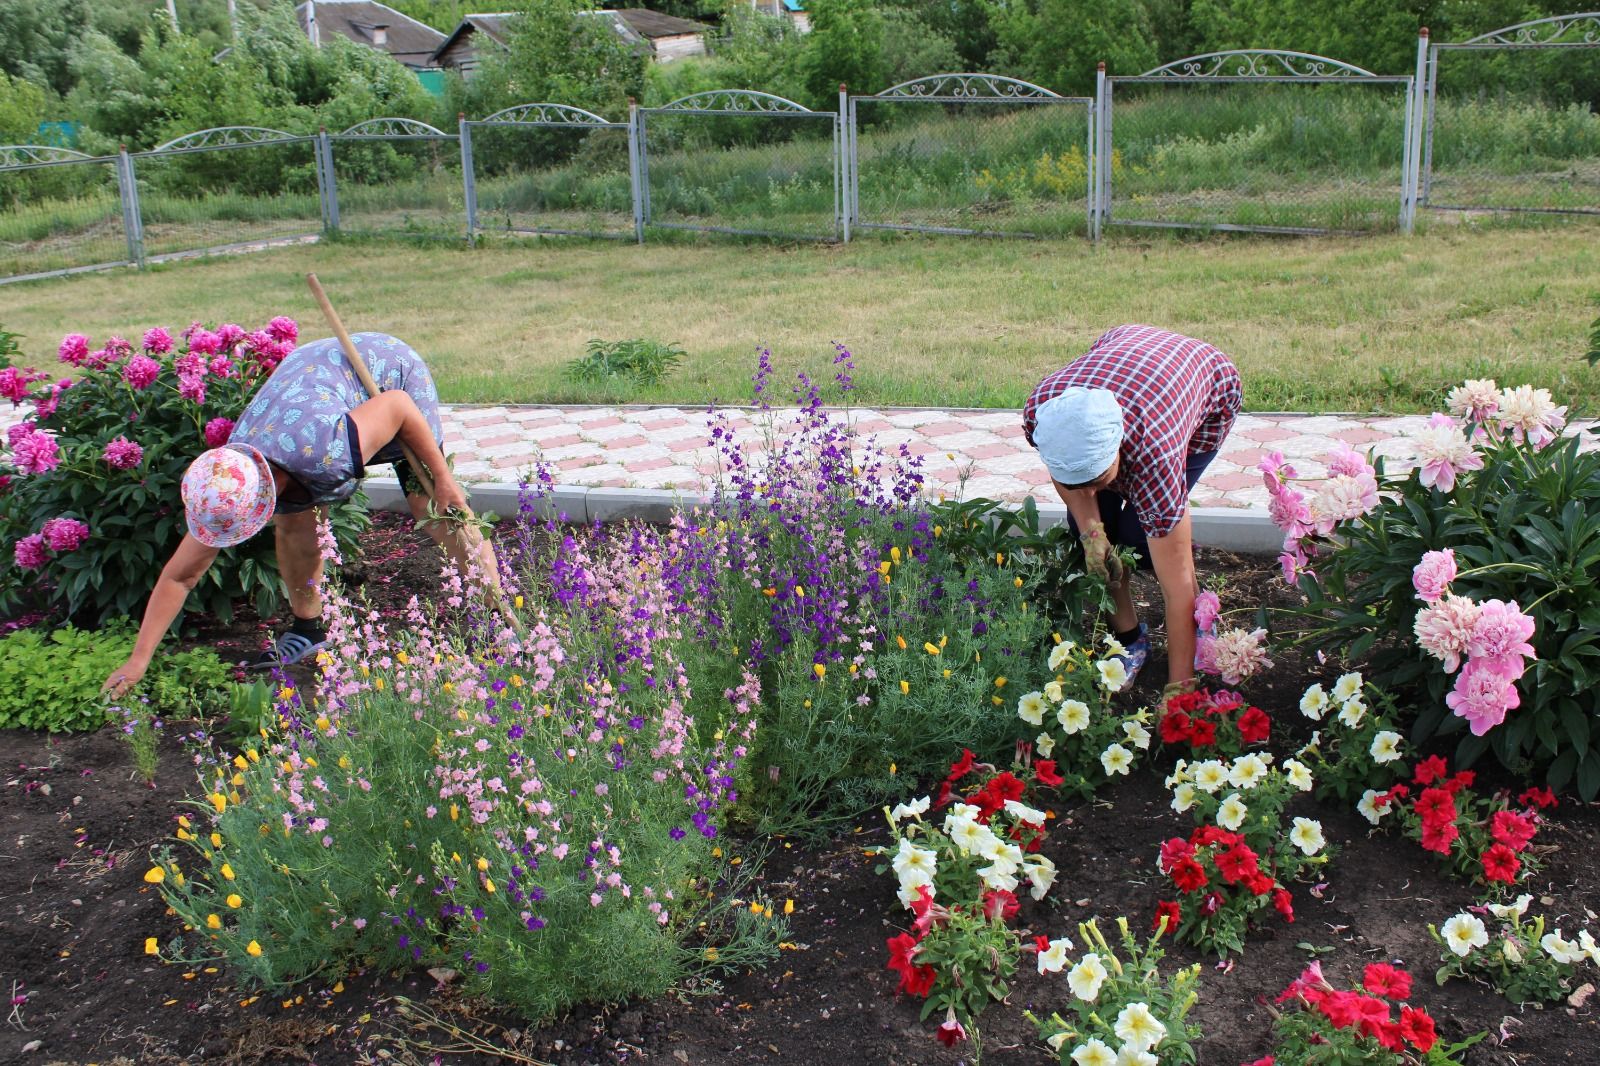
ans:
(290, 648)
(1135, 654)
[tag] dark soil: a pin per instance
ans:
(74, 914)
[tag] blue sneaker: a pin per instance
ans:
(1135, 654)
(288, 649)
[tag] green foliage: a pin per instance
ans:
(640, 361)
(1056, 43)
(1379, 35)
(912, 49)
(22, 108)
(9, 348)
(1593, 354)
(967, 24)
(1516, 961)
(555, 51)
(1525, 528)
(51, 680)
(845, 46)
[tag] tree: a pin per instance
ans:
(1378, 35)
(560, 50)
(1057, 43)
(845, 46)
(22, 108)
(38, 38)
(968, 24)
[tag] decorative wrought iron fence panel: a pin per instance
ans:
(1265, 141)
(549, 169)
(60, 211)
(740, 162)
(1506, 126)
(234, 188)
(395, 177)
(969, 154)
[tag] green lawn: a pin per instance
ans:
(1374, 324)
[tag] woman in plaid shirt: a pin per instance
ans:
(1125, 432)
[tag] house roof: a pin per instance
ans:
(493, 27)
(409, 41)
(652, 24)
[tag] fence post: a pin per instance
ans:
(636, 165)
(844, 168)
(469, 181)
(1098, 155)
(1421, 107)
(1425, 159)
(331, 188)
(132, 223)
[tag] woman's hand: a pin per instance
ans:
(124, 677)
(1097, 555)
(448, 495)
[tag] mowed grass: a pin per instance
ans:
(1375, 324)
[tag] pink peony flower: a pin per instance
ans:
(45, 406)
(15, 383)
(5, 484)
(1347, 462)
(220, 367)
(36, 453)
(1206, 608)
(157, 341)
(64, 534)
(30, 553)
(74, 349)
(1482, 695)
(1501, 634)
(1442, 453)
(1444, 629)
(193, 389)
(140, 371)
(1477, 400)
(1527, 413)
(230, 335)
(218, 430)
(1432, 576)
(1205, 653)
(1289, 512)
(283, 329)
(1342, 498)
(123, 454)
(17, 430)
(1295, 565)
(203, 342)
(1238, 654)
(1276, 471)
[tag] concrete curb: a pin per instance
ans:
(1239, 529)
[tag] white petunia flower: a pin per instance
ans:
(1347, 686)
(1093, 1053)
(1307, 835)
(1183, 797)
(1054, 958)
(1314, 704)
(1137, 1027)
(1044, 744)
(1232, 813)
(1561, 949)
(1515, 909)
(971, 837)
(910, 882)
(1385, 747)
(1590, 948)
(1462, 933)
(1041, 874)
(963, 810)
(1024, 813)
(1128, 1055)
(1086, 978)
(911, 857)
(1052, 691)
(1073, 716)
(1369, 807)
(1115, 760)
(1030, 708)
(1113, 674)
(1058, 655)
(1298, 774)
(1247, 771)
(1210, 776)
(1137, 735)
(1113, 645)
(910, 810)
(1352, 711)
(1180, 773)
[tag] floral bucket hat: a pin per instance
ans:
(228, 495)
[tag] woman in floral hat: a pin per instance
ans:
(303, 442)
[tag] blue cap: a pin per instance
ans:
(1078, 434)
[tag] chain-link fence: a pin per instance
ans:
(60, 211)
(1511, 119)
(396, 177)
(969, 154)
(1261, 141)
(231, 188)
(734, 161)
(549, 169)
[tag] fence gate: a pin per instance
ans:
(969, 154)
(737, 161)
(62, 211)
(230, 188)
(395, 176)
(1264, 141)
(1495, 141)
(549, 168)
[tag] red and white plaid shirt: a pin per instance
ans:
(1179, 397)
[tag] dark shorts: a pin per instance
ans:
(1122, 524)
(295, 499)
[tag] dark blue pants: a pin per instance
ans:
(1122, 524)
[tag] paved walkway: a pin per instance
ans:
(665, 449)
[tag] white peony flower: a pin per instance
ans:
(1307, 835)
(1086, 978)
(1232, 813)
(1385, 747)
(1073, 716)
(1116, 759)
(1462, 933)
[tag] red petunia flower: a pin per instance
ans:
(1175, 727)
(1439, 836)
(999, 903)
(1542, 798)
(1513, 830)
(1237, 863)
(1501, 864)
(1387, 981)
(1188, 875)
(962, 766)
(1417, 1027)
(1044, 772)
(1172, 911)
(1435, 806)
(914, 980)
(1284, 903)
(1430, 770)
(1254, 726)
(1202, 732)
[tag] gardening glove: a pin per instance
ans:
(1179, 688)
(124, 677)
(1098, 557)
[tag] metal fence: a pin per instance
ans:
(1259, 140)
(969, 154)
(1536, 160)
(741, 162)
(550, 169)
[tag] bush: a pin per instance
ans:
(1520, 509)
(90, 507)
(51, 680)
(643, 362)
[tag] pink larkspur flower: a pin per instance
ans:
(123, 454)
(1483, 694)
(1476, 399)
(74, 349)
(1238, 654)
(1444, 629)
(1527, 413)
(64, 534)
(1442, 453)
(1206, 608)
(1347, 462)
(140, 371)
(30, 552)
(1501, 633)
(36, 453)
(284, 329)
(218, 430)
(1432, 576)
(157, 341)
